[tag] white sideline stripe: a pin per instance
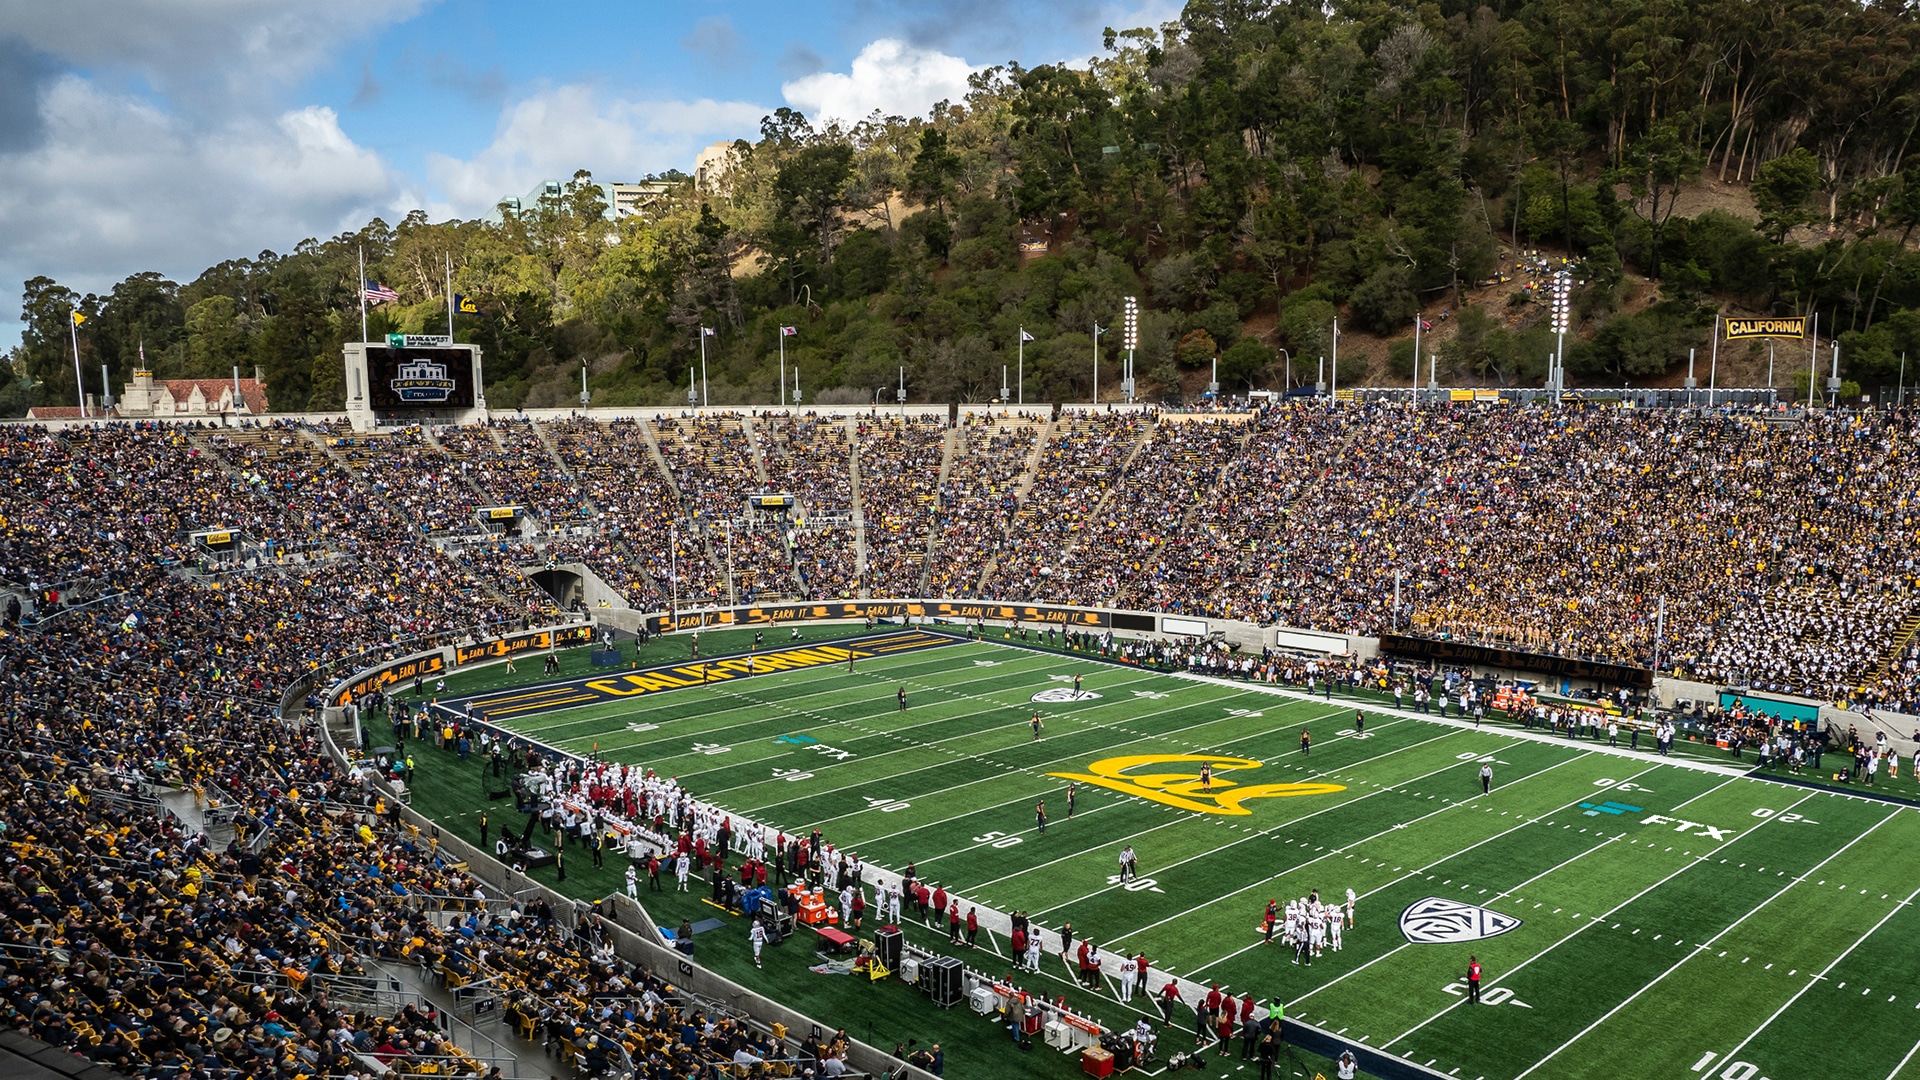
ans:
(1108, 806)
(1416, 873)
(848, 724)
(921, 655)
(1421, 871)
(1696, 861)
(1467, 724)
(1242, 840)
(783, 704)
(1691, 953)
(1903, 1061)
(1729, 1056)
(1084, 727)
(1023, 798)
(606, 735)
(1383, 832)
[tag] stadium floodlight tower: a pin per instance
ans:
(1130, 339)
(1562, 316)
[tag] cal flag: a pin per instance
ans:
(464, 304)
(707, 331)
(378, 293)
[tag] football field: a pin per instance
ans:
(1637, 916)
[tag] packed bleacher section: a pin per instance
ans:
(411, 473)
(1783, 552)
(132, 939)
(1780, 545)
(1081, 463)
(900, 462)
(810, 457)
(979, 497)
(711, 461)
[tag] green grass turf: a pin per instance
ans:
(1607, 974)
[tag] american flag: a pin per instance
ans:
(379, 293)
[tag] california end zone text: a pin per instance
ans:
(594, 690)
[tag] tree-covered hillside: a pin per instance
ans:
(1248, 172)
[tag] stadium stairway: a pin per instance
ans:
(860, 562)
(481, 498)
(754, 448)
(1901, 639)
(933, 524)
(542, 432)
(1029, 475)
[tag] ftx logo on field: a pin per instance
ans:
(1619, 809)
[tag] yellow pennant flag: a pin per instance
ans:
(78, 318)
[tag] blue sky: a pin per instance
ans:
(167, 136)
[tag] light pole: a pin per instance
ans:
(705, 333)
(1562, 317)
(1097, 331)
(1130, 339)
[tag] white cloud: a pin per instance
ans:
(121, 186)
(213, 53)
(889, 75)
(551, 134)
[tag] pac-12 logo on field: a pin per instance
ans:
(1438, 921)
(1063, 693)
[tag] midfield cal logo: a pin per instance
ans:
(1182, 789)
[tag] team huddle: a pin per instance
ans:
(1310, 925)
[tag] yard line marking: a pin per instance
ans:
(1424, 869)
(1050, 787)
(1264, 832)
(895, 733)
(887, 733)
(1824, 972)
(1904, 1060)
(1696, 861)
(1466, 724)
(1690, 955)
(487, 703)
(748, 704)
(1082, 729)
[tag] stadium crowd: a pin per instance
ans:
(1731, 546)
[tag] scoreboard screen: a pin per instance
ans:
(419, 378)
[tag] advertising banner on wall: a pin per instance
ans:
(515, 644)
(1460, 652)
(426, 666)
(952, 610)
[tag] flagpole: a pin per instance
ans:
(1022, 370)
(79, 387)
(704, 399)
(449, 296)
(783, 366)
(363, 294)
